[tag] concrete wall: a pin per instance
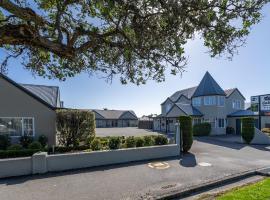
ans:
(41, 162)
(16, 103)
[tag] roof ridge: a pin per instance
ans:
(38, 85)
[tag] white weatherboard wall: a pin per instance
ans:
(41, 162)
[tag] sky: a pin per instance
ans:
(249, 71)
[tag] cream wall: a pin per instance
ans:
(16, 103)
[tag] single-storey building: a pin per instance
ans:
(207, 102)
(28, 109)
(115, 118)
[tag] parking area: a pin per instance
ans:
(124, 131)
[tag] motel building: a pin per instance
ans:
(208, 102)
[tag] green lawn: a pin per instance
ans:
(257, 191)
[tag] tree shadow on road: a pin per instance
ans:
(188, 160)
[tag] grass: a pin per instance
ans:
(256, 191)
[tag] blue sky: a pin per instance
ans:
(249, 71)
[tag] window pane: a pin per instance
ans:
(11, 126)
(28, 126)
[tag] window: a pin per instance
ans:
(197, 121)
(17, 126)
(196, 101)
(236, 104)
(168, 107)
(221, 100)
(209, 100)
(221, 123)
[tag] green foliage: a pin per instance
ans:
(139, 39)
(139, 141)
(26, 140)
(148, 140)
(248, 129)
(130, 142)
(114, 142)
(35, 145)
(43, 140)
(203, 129)
(63, 149)
(4, 142)
(160, 140)
(75, 126)
(15, 147)
(96, 145)
(17, 153)
(186, 130)
(230, 130)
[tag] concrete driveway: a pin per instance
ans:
(125, 131)
(137, 180)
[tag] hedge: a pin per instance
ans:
(186, 130)
(203, 129)
(248, 129)
(17, 153)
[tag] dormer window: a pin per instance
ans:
(196, 101)
(236, 104)
(168, 107)
(209, 100)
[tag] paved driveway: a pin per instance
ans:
(125, 131)
(137, 180)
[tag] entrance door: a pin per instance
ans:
(238, 127)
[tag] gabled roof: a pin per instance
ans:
(229, 92)
(33, 95)
(47, 93)
(189, 109)
(186, 92)
(208, 86)
(242, 113)
(113, 114)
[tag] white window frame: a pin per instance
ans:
(22, 123)
(209, 100)
(197, 101)
(219, 101)
(224, 123)
(236, 104)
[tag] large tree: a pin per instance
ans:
(137, 39)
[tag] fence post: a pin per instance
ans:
(178, 137)
(39, 163)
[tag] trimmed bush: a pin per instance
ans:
(96, 145)
(139, 142)
(26, 140)
(248, 129)
(63, 149)
(35, 145)
(4, 142)
(130, 142)
(148, 140)
(160, 140)
(203, 129)
(15, 147)
(114, 142)
(230, 130)
(17, 153)
(186, 130)
(75, 126)
(43, 140)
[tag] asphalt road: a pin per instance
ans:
(137, 180)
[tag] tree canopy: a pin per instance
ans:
(136, 39)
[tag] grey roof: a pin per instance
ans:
(48, 94)
(189, 109)
(241, 113)
(113, 114)
(228, 92)
(186, 92)
(208, 86)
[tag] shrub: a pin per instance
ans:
(130, 142)
(95, 145)
(203, 129)
(230, 130)
(43, 140)
(4, 142)
(15, 147)
(160, 140)
(17, 153)
(186, 130)
(139, 142)
(114, 142)
(35, 145)
(148, 140)
(63, 149)
(75, 126)
(26, 140)
(248, 129)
